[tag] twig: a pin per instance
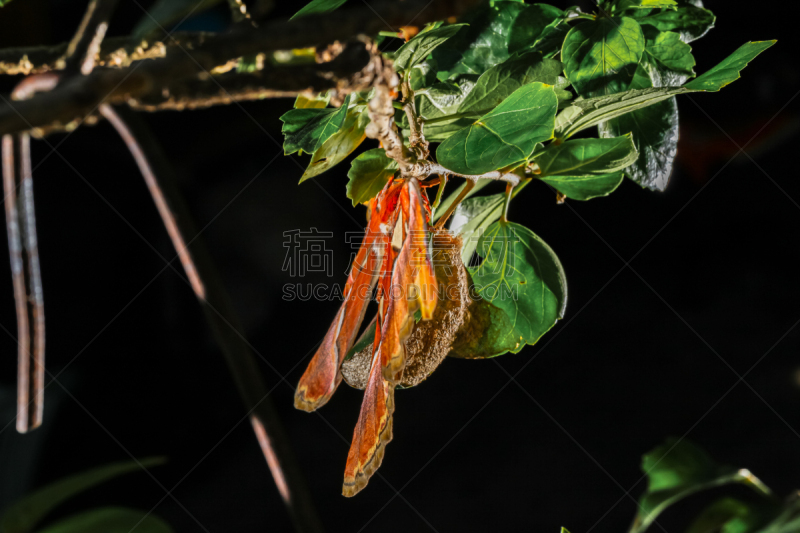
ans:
(83, 48)
(27, 282)
(452, 207)
(225, 325)
(76, 97)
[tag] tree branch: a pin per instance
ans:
(77, 97)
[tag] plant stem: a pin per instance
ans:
(225, 325)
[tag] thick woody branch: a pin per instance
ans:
(77, 97)
(357, 68)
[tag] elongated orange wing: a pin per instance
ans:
(420, 261)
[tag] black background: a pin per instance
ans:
(645, 352)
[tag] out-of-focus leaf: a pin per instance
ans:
(110, 520)
(340, 144)
(318, 7)
(521, 276)
(164, 13)
(533, 24)
(307, 129)
(319, 101)
(622, 5)
(23, 515)
(600, 56)
(472, 217)
(418, 48)
(678, 469)
(726, 515)
(481, 45)
(505, 135)
(368, 174)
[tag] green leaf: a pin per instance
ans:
(585, 187)
(471, 219)
(340, 144)
(307, 129)
(690, 22)
(533, 24)
(505, 135)
(481, 45)
(669, 60)
(418, 48)
(368, 174)
(728, 70)
(521, 276)
(23, 515)
(440, 103)
(726, 515)
(587, 156)
(678, 469)
(110, 520)
(600, 56)
(583, 114)
(655, 133)
(164, 13)
(497, 83)
(318, 7)
(319, 101)
(645, 4)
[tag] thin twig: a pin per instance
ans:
(26, 281)
(452, 207)
(35, 301)
(85, 45)
(225, 325)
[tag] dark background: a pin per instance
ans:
(645, 352)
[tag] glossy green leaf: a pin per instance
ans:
(110, 520)
(532, 24)
(481, 45)
(318, 7)
(164, 13)
(585, 187)
(587, 156)
(728, 70)
(438, 107)
(690, 22)
(600, 56)
(669, 60)
(505, 135)
(418, 48)
(471, 219)
(521, 276)
(497, 83)
(340, 144)
(678, 469)
(23, 515)
(307, 129)
(368, 175)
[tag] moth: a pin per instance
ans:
(395, 256)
